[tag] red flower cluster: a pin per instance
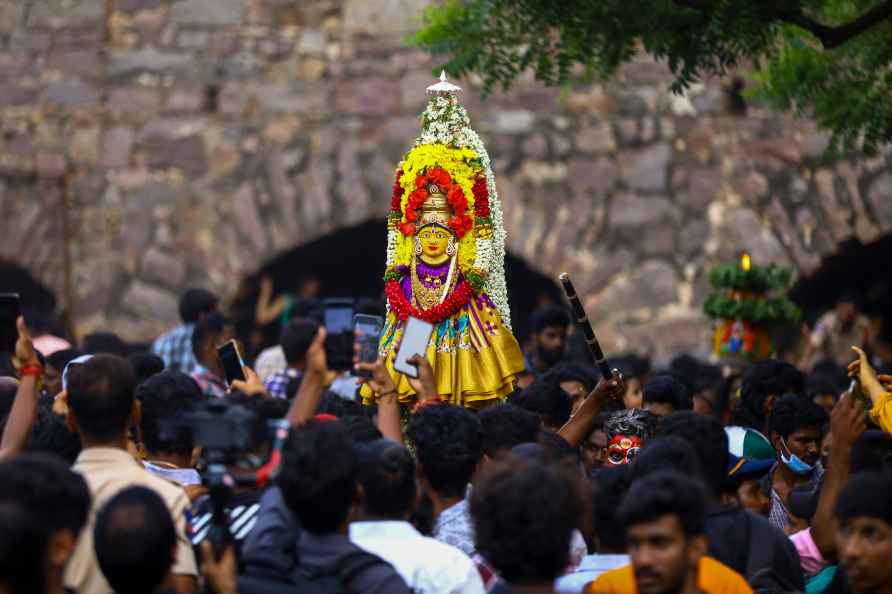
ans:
(460, 223)
(457, 299)
(481, 198)
(397, 193)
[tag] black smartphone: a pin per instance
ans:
(10, 310)
(338, 321)
(367, 332)
(231, 360)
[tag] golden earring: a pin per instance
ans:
(450, 247)
(417, 246)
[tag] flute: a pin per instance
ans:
(582, 321)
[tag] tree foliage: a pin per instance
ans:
(828, 59)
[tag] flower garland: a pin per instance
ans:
(453, 302)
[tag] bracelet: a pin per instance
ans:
(380, 396)
(34, 369)
(421, 404)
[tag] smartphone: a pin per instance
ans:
(416, 337)
(338, 321)
(10, 310)
(231, 359)
(367, 332)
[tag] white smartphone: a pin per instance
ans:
(416, 337)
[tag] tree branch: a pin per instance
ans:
(832, 37)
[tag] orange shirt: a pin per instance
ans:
(713, 578)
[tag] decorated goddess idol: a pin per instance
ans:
(445, 260)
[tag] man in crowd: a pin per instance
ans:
(175, 347)
(387, 476)
(135, 542)
(163, 398)
(627, 431)
(296, 338)
(864, 537)
(505, 426)
(547, 401)
(101, 408)
(55, 365)
(448, 445)
(635, 370)
(763, 383)
(664, 395)
(55, 501)
(574, 379)
(665, 527)
(795, 432)
(836, 332)
(548, 342)
(318, 483)
(741, 540)
(209, 333)
(524, 513)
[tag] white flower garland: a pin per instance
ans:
(446, 123)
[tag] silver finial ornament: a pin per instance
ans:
(444, 86)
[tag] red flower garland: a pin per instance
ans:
(403, 309)
(481, 198)
(397, 193)
(460, 223)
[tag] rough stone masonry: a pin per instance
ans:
(174, 142)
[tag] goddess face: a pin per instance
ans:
(434, 241)
(622, 449)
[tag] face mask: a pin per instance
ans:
(796, 464)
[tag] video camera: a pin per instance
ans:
(226, 435)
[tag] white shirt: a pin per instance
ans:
(427, 565)
(589, 570)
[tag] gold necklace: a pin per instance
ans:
(425, 297)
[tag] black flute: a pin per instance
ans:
(582, 321)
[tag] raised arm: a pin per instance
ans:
(580, 424)
(24, 409)
(382, 385)
(268, 309)
(305, 403)
(847, 422)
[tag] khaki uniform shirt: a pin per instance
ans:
(834, 343)
(107, 471)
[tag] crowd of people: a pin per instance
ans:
(141, 471)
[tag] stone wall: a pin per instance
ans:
(160, 143)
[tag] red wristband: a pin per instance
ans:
(34, 369)
(421, 404)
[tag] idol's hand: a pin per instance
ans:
(424, 384)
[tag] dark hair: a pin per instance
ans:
(549, 316)
(448, 445)
(709, 440)
(60, 359)
(666, 493)
(164, 397)
(318, 475)
(665, 389)
(609, 487)
(145, 365)
(334, 404)
(761, 380)
(196, 302)
(48, 487)
(100, 394)
(632, 421)
(206, 329)
(51, 435)
(557, 449)
(361, 428)
(667, 452)
(866, 495)
(792, 413)
(23, 549)
(505, 426)
(107, 343)
(387, 475)
(872, 451)
(134, 540)
(524, 513)
(548, 401)
(631, 365)
(571, 371)
(296, 339)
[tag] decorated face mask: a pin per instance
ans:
(622, 449)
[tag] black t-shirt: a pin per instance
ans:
(242, 511)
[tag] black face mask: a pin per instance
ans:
(550, 357)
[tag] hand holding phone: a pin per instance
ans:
(367, 333)
(232, 362)
(416, 337)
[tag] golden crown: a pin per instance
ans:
(436, 209)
